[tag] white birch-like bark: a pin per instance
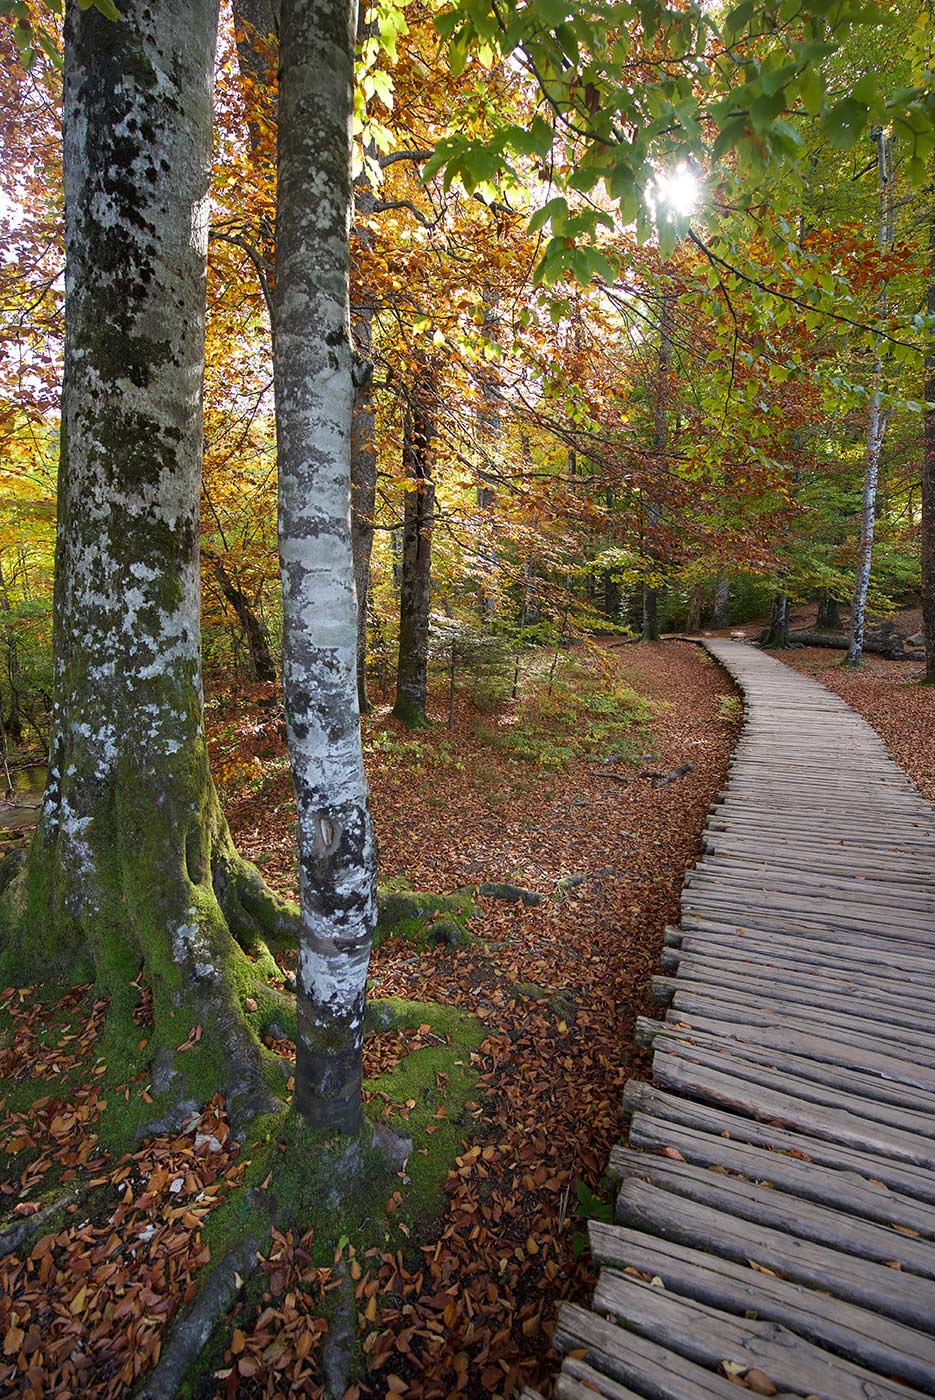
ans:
(876, 429)
(314, 407)
(650, 628)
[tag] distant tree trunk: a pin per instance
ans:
(695, 601)
(363, 503)
(721, 614)
(488, 432)
(13, 722)
(611, 596)
(777, 634)
(828, 618)
(876, 430)
(314, 374)
(132, 865)
(928, 472)
(416, 581)
(256, 20)
(261, 657)
(650, 629)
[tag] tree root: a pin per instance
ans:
(191, 1330)
(26, 1227)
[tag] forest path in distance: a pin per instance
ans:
(780, 1235)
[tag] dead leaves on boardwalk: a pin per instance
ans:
(471, 1310)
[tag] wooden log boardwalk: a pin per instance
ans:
(775, 1222)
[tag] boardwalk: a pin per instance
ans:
(776, 1207)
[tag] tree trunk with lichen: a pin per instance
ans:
(314, 407)
(416, 582)
(132, 866)
(650, 620)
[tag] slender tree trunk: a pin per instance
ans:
(650, 628)
(777, 634)
(363, 464)
(132, 866)
(876, 430)
(255, 634)
(416, 583)
(314, 409)
(13, 722)
(488, 432)
(928, 467)
(721, 614)
(695, 600)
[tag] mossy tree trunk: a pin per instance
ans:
(314, 406)
(132, 865)
(416, 581)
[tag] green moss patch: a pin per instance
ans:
(422, 918)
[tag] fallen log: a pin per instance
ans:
(889, 644)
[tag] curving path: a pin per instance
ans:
(776, 1210)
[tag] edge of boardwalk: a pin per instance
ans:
(775, 1218)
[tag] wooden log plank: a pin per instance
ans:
(761, 1205)
(894, 963)
(817, 992)
(857, 1193)
(650, 1369)
(777, 1036)
(899, 957)
(778, 999)
(909, 1180)
(906, 1298)
(716, 1085)
(853, 1030)
(712, 1337)
(578, 1381)
(879, 1343)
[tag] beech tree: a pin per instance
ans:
(315, 392)
(132, 866)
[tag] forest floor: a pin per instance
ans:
(519, 794)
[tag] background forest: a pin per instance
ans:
(685, 423)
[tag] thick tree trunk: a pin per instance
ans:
(314, 408)
(416, 583)
(828, 618)
(650, 627)
(132, 866)
(928, 471)
(257, 638)
(777, 633)
(721, 615)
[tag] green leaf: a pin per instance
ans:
(845, 122)
(556, 208)
(812, 91)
